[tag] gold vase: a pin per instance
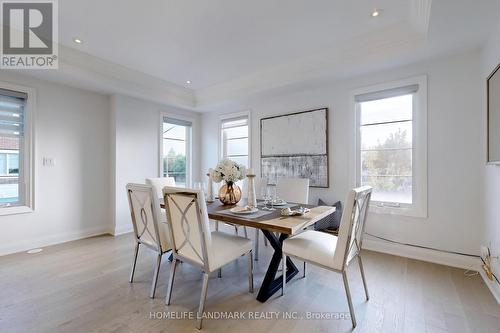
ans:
(230, 194)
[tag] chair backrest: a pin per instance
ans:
(294, 190)
(144, 210)
(188, 224)
(352, 226)
(159, 183)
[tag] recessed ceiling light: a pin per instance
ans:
(77, 40)
(34, 251)
(188, 82)
(376, 12)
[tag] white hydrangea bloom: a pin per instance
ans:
(228, 171)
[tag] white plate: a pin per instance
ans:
(280, 203)
(243, 210)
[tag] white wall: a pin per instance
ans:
(135, 134)
(455, 148)
(490, 58)
(71, 198)
(99, 144)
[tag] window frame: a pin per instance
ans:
(418, 207)
(28, 158)
(235, 116)
(189, 144)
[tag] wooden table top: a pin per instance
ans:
(289, 225)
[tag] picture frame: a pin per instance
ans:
(295, 145)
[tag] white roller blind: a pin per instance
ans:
(179, 122)
(406, 90)
(234, 122)
(12, 105)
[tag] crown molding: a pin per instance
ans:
(375, 46)
(137, 82)
(339, 61)
(85, 71)
(420, 13)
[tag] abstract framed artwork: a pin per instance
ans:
(493, 115)
(296, 145)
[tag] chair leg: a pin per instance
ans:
(349, 300)
(219, 273)
(256, 244)
(203, 297)
(250, 272)
(236, 230)
(283, 269)
(363, 277)
(171, 282)
(136, 252)
(304, 274)
(265, 241)
(216, 225)
(245, 231)
(155, 276)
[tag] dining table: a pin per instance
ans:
(276, 228)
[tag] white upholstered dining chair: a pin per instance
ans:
(244, 191)
(260, 183)
(159, 183)
(194, 243)
(149, 231)
(236, 227)
(294, 190)
(332, 252)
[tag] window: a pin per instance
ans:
(9, 162)
(235, 143)
(15, 151)
(13, 164)
(176, 156)
(392, 146)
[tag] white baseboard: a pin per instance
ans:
(493, 286)
(437, 257)
(122, 230)
(24, 245)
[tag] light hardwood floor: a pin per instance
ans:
(82, 286)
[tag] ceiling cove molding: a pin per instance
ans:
(120, 79)
(85, 71)
(365, 50)
(420, 13)
(81, 70)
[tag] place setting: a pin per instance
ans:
(230, 194)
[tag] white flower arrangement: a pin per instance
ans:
(228, 170)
